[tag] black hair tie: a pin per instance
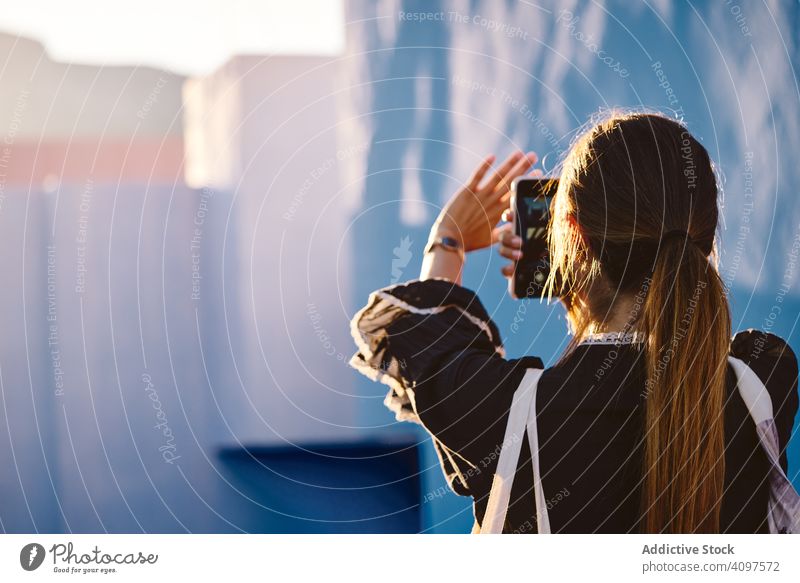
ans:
(677, 234)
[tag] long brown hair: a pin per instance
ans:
(636, 213)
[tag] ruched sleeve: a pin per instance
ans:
(436, 348)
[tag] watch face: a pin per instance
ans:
(446, 243)
(450, 243)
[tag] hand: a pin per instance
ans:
(471, 214)
(509, 244)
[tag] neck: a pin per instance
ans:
(618, 316)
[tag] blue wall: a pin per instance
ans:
(452, 81)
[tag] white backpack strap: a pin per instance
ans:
(753, 392)
(783, 513)
(542, 518)
(496, 508)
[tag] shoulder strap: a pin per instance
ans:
(783, 513)
(542, 517)
(753, 392)
(518, 421)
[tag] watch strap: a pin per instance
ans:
(447, 243)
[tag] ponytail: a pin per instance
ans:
(687, 324)
(623, 181)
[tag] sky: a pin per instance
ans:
(190, 37)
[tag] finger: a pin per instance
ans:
(510, 239)
(505, 235)
(499, 231)
(537, 173)
(480, 172)
(505, 167)
(520, 168)
(509, 252)
(508, 215)
(507, 270)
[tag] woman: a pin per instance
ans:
(640, 425)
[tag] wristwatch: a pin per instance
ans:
(446, 243)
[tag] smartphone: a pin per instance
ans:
(530, 201)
